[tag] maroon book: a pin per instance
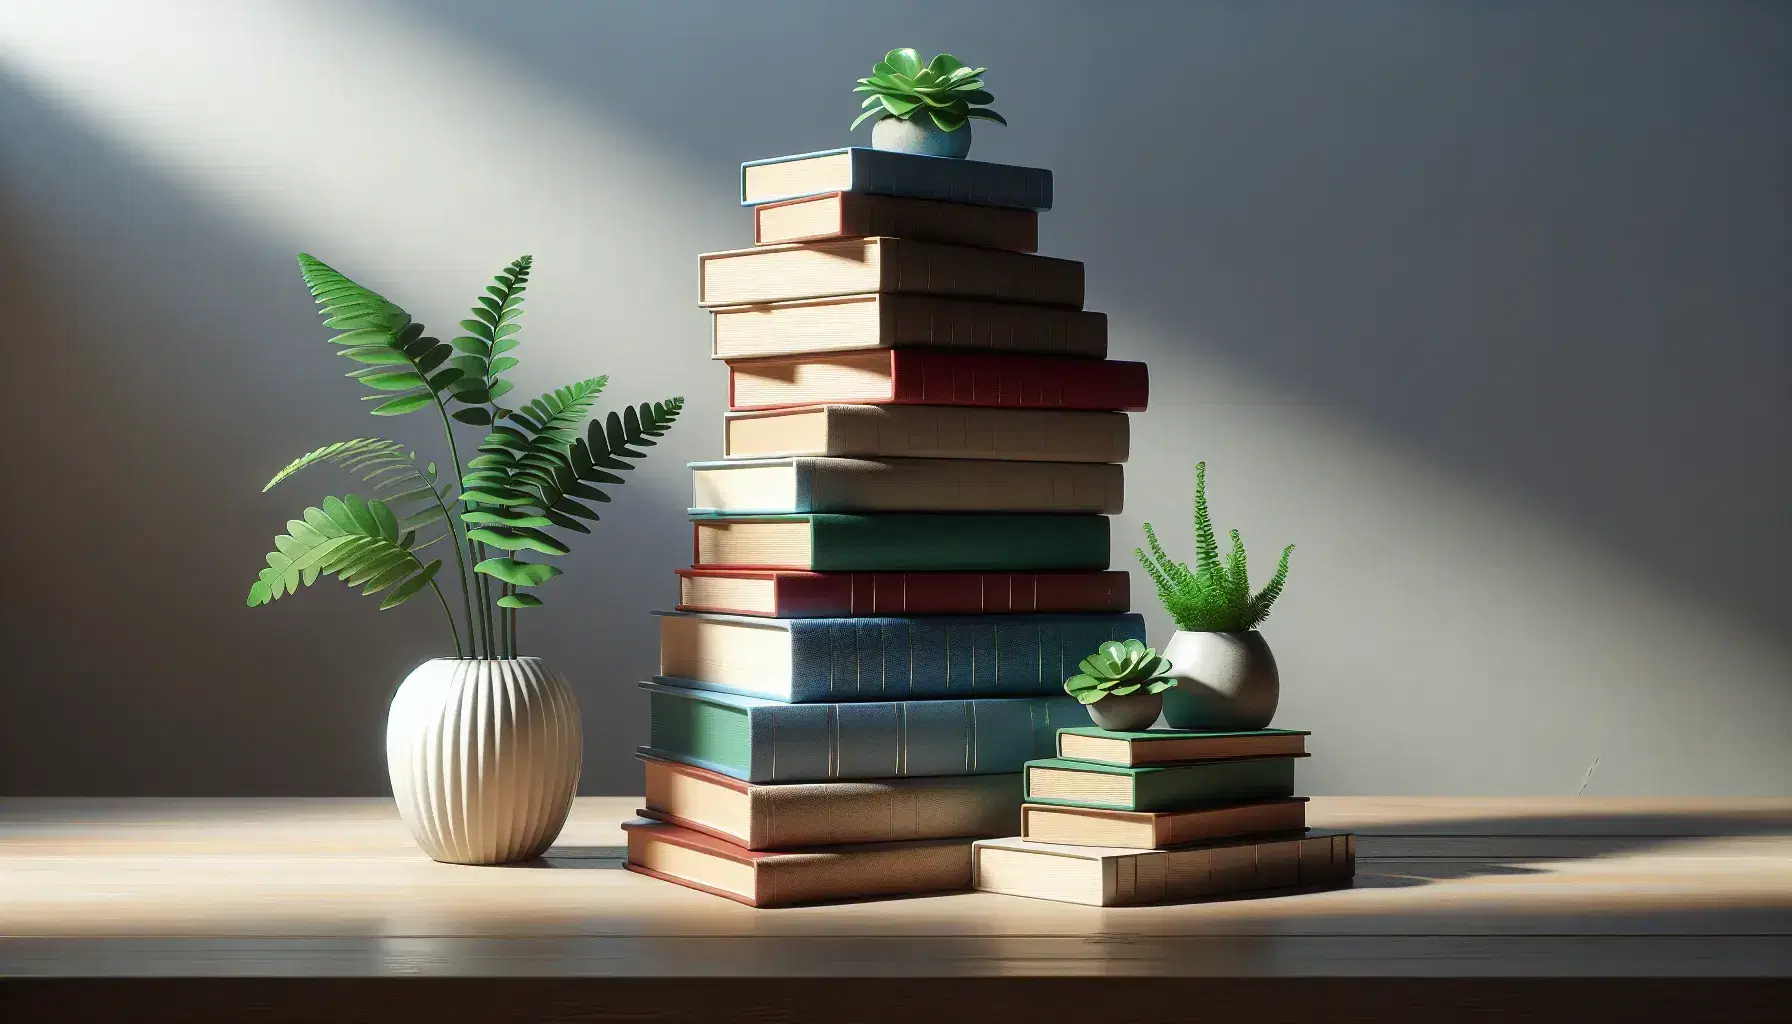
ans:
(823, 595)
(918, 376)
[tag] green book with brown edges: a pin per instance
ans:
(1057, 780)
(903, 542)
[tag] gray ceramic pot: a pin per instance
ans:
(920, 135)
(1134, 712)
(1225, 682)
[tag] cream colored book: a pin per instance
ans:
(852, 322)
(928, 432)
(1147, 830)
(905, 485)
(810, 270)
(1101, 877)
(851, 214)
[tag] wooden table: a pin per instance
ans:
(323, 910)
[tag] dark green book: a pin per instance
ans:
(871, 543)
(1056, 780)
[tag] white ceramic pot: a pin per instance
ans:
(484, 757)
(920, 135)
(1135, 712)
(1225, 682)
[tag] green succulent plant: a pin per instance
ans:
(1117, 669)
(536, 468)
(1214, 596)
(944, 89)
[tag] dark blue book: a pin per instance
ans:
(805, 661)
(878, 172)
(757, 740)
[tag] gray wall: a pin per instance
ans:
(1484, 305)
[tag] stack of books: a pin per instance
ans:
(1143, 817)
(903, 552)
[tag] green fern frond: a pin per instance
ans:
(399, 361)
(1215, 596)
(1271, 590)
(1238, 579)
(489, 336)
(1207, 549)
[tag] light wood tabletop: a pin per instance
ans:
(1655, 902)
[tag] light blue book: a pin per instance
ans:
(759, 740)
(806, 661)
(884, 173)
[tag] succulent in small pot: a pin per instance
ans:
(924, 108)
(1227, 674)
(1122, 684)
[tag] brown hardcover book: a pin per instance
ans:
(1169, 746)
(761, 878)
(1103, 877)
(850, 215)
(929, 432)
(922, 376)
(856, 322)
(1145, 830)
(812, 270)
(788, 594)
(804, 814)
(807, 484)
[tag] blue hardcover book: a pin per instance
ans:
(758, 740)
(894, 174)
(805, 661)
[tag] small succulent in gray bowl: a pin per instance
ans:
(1122, 684)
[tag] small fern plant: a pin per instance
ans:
(1214, 596)
(538, 466)
(943, 90)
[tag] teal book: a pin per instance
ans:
(757, 740)
(838, 542)
(1057, 780)
(879, 172)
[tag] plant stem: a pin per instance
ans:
(453, 523)
(459, 652)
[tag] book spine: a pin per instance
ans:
(956, 485)
(885, 659)
(925, 268)
(930, 321)
(932, 377)
(840, 813)
(1226, 870)
(958, 181)
(904, 869)
(909, 543)
(945, 432)
(930, 221)
(1256, 778)
(828, 742)
(920, 593)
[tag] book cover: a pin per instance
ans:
(1170, 746)
(803, 814)
(1163, 788)
(880, 172)
(791, 594)
(807, 661)
(758, 740)
(1110, 878)
(903, 542)
(847, 266)
(847, 323)
(1156, 830)
(811, 484)
(929, 432)
(910, 376)
(856, 214)
(761, 878)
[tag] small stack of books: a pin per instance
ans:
(1143, 817)
(904, 551)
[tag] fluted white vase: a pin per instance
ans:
(484, 757)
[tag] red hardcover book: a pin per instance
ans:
(917, 376)
(824, 595)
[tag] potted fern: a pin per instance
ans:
(1122, 684)
(484, 748)
(1225, 673)
(924, 108)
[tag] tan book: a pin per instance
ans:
(811, 270)
(803, 814)
(855, 322)
(1169, 746)
(1144, 830)
(934, 376)
(928, 432)
(807, 484)
(850, 215)
(761, 878)
(1102, 877)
